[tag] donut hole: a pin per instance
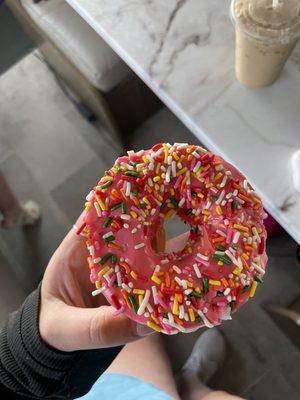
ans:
(173, 228)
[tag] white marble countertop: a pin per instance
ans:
(184, 51)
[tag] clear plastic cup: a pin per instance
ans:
(266, 34)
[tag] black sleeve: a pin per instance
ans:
(29, 369)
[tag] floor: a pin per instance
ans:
(13, 42)
(50, 153)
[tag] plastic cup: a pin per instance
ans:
(266, 34)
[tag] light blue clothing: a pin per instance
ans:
(123, 387)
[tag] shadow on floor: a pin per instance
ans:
(14, 43)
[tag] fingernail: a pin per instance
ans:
(143, 330)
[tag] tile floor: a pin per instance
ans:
(13, 41)
(50, 153)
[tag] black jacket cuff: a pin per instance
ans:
(31, 369)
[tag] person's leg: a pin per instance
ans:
(14, 213)
(206, 358)
(219, 395)
(147, 360)
(192, 388)
(8, 202)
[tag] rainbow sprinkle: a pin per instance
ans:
(223, 261)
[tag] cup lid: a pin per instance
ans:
(272, 20)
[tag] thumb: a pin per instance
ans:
(108, 330)
(69, 328)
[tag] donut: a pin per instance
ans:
(224, 258)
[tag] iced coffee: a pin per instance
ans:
(266, 33)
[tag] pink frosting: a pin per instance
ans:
(224, 258)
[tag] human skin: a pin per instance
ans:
(9, 205)
(70, 317)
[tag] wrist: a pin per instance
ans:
(37, 344)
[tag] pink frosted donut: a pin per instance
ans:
(224, 258)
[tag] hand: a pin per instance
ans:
(70, 317)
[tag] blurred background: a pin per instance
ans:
(67, 110)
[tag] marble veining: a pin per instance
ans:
(184, 50)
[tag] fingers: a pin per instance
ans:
(68, 328)
(79, 222)
(159, 240)
(73, 244)
(107, 330)
(72, 236)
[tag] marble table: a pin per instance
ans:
(184, 51)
